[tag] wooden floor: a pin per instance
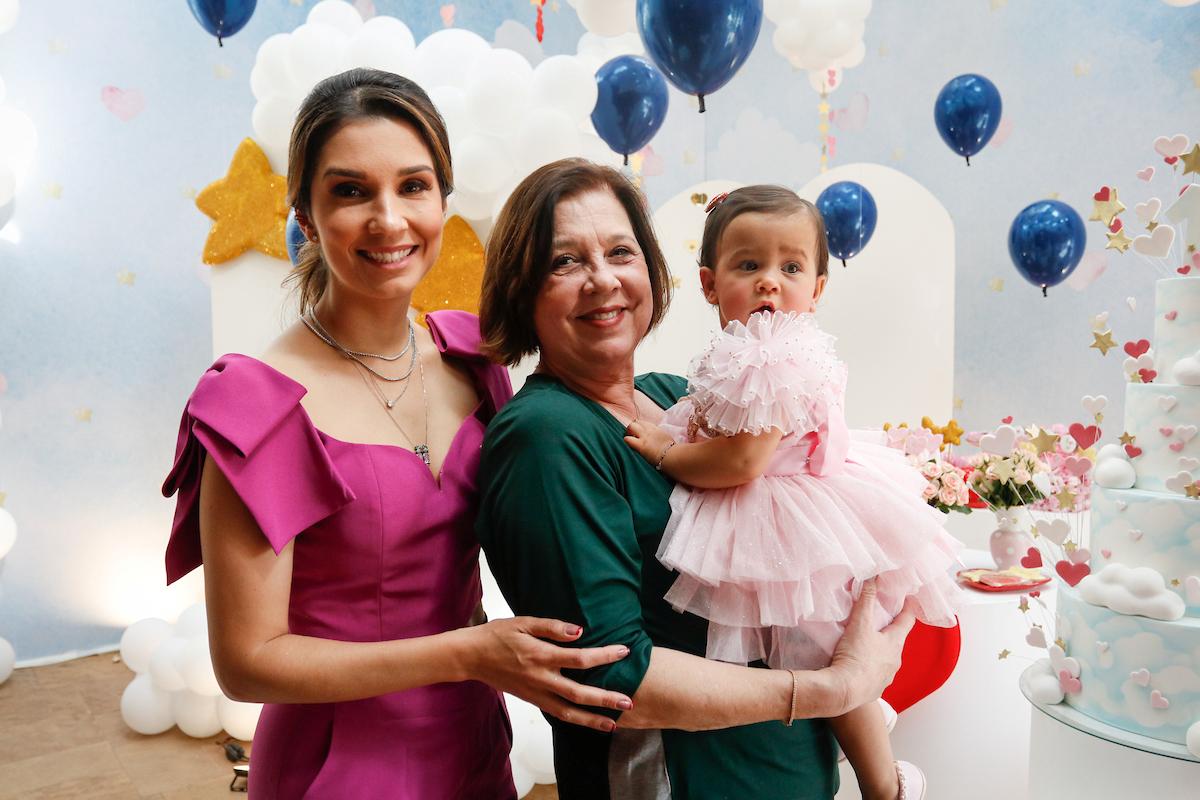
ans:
(61, 736)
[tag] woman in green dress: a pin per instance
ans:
(571, 517)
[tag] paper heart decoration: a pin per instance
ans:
(447, 12)
(1084, 435)
(1146, 174)
(1106, 552)
(854, 116)
(1175, 145)
(1035, 637)
(1062, 662)
(1069, 684)
(1186, 432)
(1187, 371)
(1080, 555)
(1072, 573)
(1120, 504)
(1133, 365)
(1147, 375)
(1179, 482)
(1188, 464)
(1170, 316)
(1000, 443)
(1135, 534)
(1100, 321)
(1138, 348)
(1132, 303)
(1158, 701)
(1166, 402)
(1116, 225)
(1094, 405)
(1066, 443)
(1170, 159)
(1032, 559)
(1102, 195)
(1191, 590)
(1041, 481)
(1101, 646)
(1132, 450)
(1156, 244)
(1176, 446)
(1007, 419)
(1056, 531)
(1140, 676)
(1036, 593)
(125, 104)
(1148, 210)
(1077, 466)
(1184, 270)
(1166, 431)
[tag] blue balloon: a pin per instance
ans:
(222, 18)
(1046, 242)
(967, 113)
(631, 103)
(295, 237)
(699, 44)
(850, 215)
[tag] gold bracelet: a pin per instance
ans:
(792, 708)
(663, 454)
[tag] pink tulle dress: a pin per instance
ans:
(775, 564)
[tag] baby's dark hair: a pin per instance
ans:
(761, 198)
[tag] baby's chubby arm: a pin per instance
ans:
(718, 463)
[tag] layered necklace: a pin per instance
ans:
(370, 377)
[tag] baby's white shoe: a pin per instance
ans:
(912, 781)
(889, 722)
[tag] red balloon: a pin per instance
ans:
(929, 657)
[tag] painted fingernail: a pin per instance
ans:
(623, 651)
(612, 726)
(625, 704)
(574, 630)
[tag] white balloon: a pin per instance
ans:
(272, 120)
(272, 73)
(473, 205)
(196, 668)
(238, 719)
(451, 103)
(18, 141)
(482, 164)
(195, 714)
(3, 90)
(8, 659)
(315, 52)
(140, 641)
(1181, 3)
(384, 43)
(146, 708)
(8, 531)
(9, 11)
(565, 84)
(522, 779)
(606, 17)
(165, 663)
(499, 90)
(545, 135)
(336, 14)
(192, 621)
(447, 57)
(532, 740)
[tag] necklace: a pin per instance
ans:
(420, 448)
(319, 329)
(315, 326)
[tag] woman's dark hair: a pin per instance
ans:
(762, 198)
(354, 94)
(519, 252)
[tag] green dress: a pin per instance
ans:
(570, 520)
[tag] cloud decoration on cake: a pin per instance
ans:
(1043, 683)
(1114, 473)
(1187, 370)
(1138, 591)
(1193, 739)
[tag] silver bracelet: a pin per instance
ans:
(662, 455)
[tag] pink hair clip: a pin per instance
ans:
(716, 201)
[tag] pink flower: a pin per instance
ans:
(953, 479)
(948, 496)
(1022, 476)
(930, 469)
(929, 492)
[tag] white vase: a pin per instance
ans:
(1008, 542)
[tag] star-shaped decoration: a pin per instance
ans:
(692, 245)
(1066, 499)
(126, 278)
(1151, 225)
(1191, 161)
(1103, 341)
(1104, 210)
(1003, 469)
(1061, 643)
(1127, 438)
(1070, 547)
(958, 404)
(83, 414)
(1053, 195)
(1192, 490)
(1024, 604)
(1191, 248)
(53, 190)
(952, 432)
(1044, 441)
(823, 107)
(1175, 582)
(1118, 241)
(996, 284)
(1005, 653)
(248, 206)
(676, 281)
(1082, 68)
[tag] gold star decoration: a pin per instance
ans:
(1070, 547)
(1103, 341)
(1151, 225)
(1024, 604)
(1128, 438)
(1044, 441)
(1061, 643)
(248, 207)
(1005, 653)
(951, 432)
(1191, 248)
(996, 284)
(1191, 160)
(692, 245)
(1066, 499)
(1175, 582)
(126, 278)
(83, 414)
(456, 277)
(1003, 469)
(1192, 490)
(1118, 241)
(699, 198)
(1105, 210)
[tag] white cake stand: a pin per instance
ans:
(1073, 755)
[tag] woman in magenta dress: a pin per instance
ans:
(329, 490)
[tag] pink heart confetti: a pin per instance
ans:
(1007, 419)
(1146, 174)
(1077, 465)
(1102, 195)
(1084, 435)
(1158, 701)
(1036, 638)
(1176, 446)
(125, 104)
(1135, 534)
(447, 12)
(1170, 316)
(1185, 269)
(1140, 676)
(1079, 555)
(1171, 159)
(1138, 348)
(1147, 375)
(1116, 225)
(1069, 685)
(1166, 431)
(1169, 146)
(1106, 552)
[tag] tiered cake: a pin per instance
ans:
(1132, 627)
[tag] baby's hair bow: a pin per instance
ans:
(716, 201)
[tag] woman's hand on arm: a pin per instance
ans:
(717, 463)
(256, 658)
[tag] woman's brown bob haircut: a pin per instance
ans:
(761, 198)
(519, 252)
(353, 95)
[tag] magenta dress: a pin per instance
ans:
(382, 551)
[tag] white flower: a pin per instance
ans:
(1022, 475)
(930, 469)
